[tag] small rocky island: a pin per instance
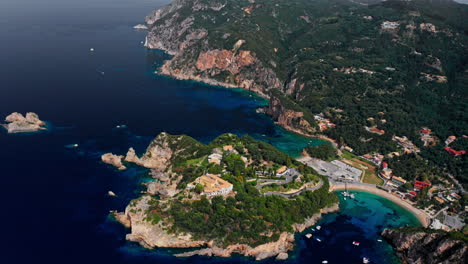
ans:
(17, 123)
(233, 195)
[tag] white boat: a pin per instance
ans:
(318, 239)
(308, 235)
(379, 240)
(91, 49)
(313, 230)
(75, 145)
(111, 193)
(365, 260)
(344, 198)
(325, 261)
(356, 243)
(318, 227)
(351, 195)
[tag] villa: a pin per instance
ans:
(215, 158)
(213, 185)
(397, 180)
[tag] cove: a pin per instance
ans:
(56, 205)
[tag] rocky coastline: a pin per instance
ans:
(152, 236)
(17, 123)
(426, 246)
(196, 58)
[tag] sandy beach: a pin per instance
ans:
(422, 216)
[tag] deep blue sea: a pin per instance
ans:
(55, 207)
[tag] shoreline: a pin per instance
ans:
(164, 71)
(423, 218)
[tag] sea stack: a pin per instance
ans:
(113, 160)
(17, 123)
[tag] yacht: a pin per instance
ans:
(308, 235)
(365, 260)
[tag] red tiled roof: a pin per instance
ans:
(454, 152)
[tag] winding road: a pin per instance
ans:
(290, 195)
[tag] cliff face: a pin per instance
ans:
(289, 119)
(150, 235)
(178, 28)
(421, 247)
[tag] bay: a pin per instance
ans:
(56, 206)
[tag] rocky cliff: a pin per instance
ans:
(427, 246)
(189, 30)
(290, 119)
(17, 123)
(150, 235)
(184, 29)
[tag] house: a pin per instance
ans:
(425, 131)
(386, 173)
(455, 196)
(455, 152)
(215, 158)
(228, 148)
(375, 130)
(450, 139)
(390, 25)
(398, 181)
(213, 185)
(347, 148)
(281, 170)
(420, 184)
(439, 200)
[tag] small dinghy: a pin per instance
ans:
(379, 240)
(325, 261)
(356, 243)
(318, 239)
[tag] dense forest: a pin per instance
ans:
(246, 216)
(395, 66)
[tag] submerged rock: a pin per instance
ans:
(17, 123)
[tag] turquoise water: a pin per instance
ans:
(361, 219)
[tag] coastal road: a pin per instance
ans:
(291, 195)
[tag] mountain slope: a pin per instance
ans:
(406, 60)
